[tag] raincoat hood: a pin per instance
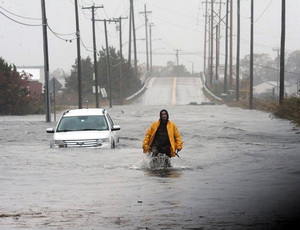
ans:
(160, 116)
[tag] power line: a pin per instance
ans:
(25, 24)
(263, 11)
(86, 48)
(20, 15)
(172, 53)
(57, 35)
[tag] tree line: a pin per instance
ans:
(266, 68)
(130, 82)
(15, 97)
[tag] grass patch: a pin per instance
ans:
(289, 109)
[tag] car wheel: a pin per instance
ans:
(113, 145)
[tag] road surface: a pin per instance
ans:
(172, 91)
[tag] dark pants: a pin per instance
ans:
(157, 150)
(159, 159)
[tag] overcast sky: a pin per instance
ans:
(178, 25)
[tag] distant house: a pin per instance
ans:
(293, 89)
(266, 87)
(33, 76)
(35, 89)
(272, 87)
(36, 73)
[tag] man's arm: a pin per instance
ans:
(147, 138)
(177, 137)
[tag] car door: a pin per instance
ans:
(114, 134)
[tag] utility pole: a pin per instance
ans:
(46, 63)
(146, 30)
(237, 91)
(129, 40)
(95, 52)
(214, 21)
(150, 34)
(282, 52)
(132, 28)
(177, 61)
(211, 42)
(217, 51)
(277, 69)
(251, 58)
(192, 68)
(208, 52)
(226, 48)
(108, 58)
(108, 64)
(121, 58)
(205, 42)
(78, 57)
(218, 39)
(134, 40)
(54, 97)
(231, 46)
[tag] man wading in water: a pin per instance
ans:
(162, 137)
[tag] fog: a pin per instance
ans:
(177, 26)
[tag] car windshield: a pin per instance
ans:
(82, 123)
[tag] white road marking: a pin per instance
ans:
(174, 91)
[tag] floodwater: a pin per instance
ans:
(239, 169)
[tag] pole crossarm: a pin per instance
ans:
(92, 7)
(107, 20)
(119, 19)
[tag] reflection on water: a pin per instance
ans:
(169, 172)
(157, 166)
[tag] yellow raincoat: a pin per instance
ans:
(173, 133)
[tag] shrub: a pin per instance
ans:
(289, 109)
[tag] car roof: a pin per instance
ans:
(84, 112)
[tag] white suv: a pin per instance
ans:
(85, 128)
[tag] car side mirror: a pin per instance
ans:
(115, 128)
(50, 130)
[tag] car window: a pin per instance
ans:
(82, 123)
(110, 120)
(95, 123)
(67, 124)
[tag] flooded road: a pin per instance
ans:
(238, 169)
(172, 91)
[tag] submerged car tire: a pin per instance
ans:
(51, 144)
(113, 145)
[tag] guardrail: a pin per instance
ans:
(144, 81)
(144, 78)
(202, 76)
